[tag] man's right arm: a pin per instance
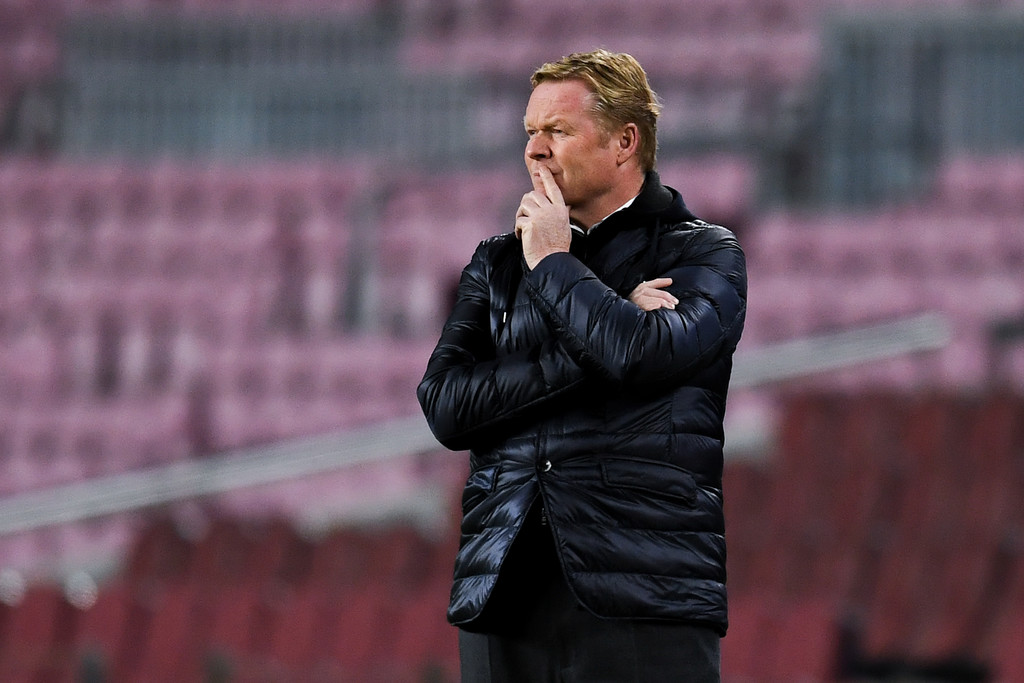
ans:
(468, 392)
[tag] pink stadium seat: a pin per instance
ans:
(718, 188)
(986, 185)
(158, 554)
(298, 626)
(746, 646)
(421, 634)
(38, 633)
(223, 555)
(103, 631)
(359, 634)
(170, 645)
(780, 308)
(235, 613)
(28, 365)
(806, 642)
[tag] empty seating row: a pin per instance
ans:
(915, 242)
(321, 258)
(787, 61)
(817, 273)
(246, 600)
(882, 533)
(896, 513)
(233, 400)
(731, 23)
(981, 184)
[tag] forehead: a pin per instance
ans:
(558, 100)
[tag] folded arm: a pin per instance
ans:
(618, 340)
(468, 391)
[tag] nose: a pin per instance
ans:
(537, 148)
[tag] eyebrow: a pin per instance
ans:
(554, 123)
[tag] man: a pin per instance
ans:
(585, 366)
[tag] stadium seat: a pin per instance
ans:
(38, 636)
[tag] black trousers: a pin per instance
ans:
(534, 631)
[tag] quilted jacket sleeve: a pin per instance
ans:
(611, 336)
(467, 391)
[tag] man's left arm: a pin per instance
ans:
(621, 340)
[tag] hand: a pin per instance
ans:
(542, 221)
(651, 295)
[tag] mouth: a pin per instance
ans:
(554, 174)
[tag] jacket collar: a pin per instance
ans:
(654, 198)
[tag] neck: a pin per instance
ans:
(593, 212)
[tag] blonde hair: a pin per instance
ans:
(621, 93)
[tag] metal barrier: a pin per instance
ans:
(235, 86)
(901, 90)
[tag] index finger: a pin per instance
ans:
(549, 186)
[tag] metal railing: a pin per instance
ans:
(235, 86)
(902, 90)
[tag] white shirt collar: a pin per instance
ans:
(621, 208)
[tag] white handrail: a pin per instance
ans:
(787, 360)
(194, 478)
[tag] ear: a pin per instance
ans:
(628, 143)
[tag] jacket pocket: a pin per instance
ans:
(479, 485)
(651, 476)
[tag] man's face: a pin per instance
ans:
(566, 137)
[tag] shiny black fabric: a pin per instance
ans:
(562, 388)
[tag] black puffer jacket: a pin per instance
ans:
(561, 387)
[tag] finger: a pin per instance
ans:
(664, 299)
(659, 283)
(651, 294)
(532, 200)
(521, 224)
(656, 287)
(548, 185)
(650, 303)
(538, 183)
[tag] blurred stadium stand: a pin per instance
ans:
(221, 274)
